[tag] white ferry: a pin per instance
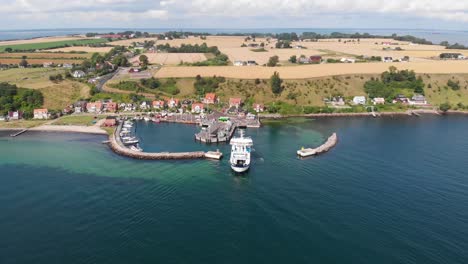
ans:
(240, 153)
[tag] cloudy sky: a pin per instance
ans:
(427, 14)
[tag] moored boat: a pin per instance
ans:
(240, 153)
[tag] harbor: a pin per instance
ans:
(124, 142)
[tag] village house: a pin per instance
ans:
(172, 103)
(67, 65)
(41, 114)
(158, 104)
(210, 98)
(198, 108)
(80, 106)
(258, 107)
(15, 115)
(251, 63)
(110, 107)
(110, 121)
(405, 59)
(95, 107)
(235, 102)
(79, 74)
(378, 100)
(145, 105)
(315, 59)
(67, 110)
(3, 118)
(359, 100)
(400, 99)
(185, 103)
(418, 99)
(337, 101)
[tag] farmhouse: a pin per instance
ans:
(240, 63)
(79, 74)
(251, 63)
(41, 114)
(80, 106)
(315, 59)
(348, 60)
(198, 108)
(359, 100)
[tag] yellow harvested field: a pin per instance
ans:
(83, 49)
(312, 71)
(174, 58)
(129, 42)
(38, 40)
(39, 61)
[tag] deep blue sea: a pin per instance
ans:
(394, 190)
(434, 35)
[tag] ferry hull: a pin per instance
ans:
(239, 169)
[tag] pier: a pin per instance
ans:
(118, 147)
(325, 147)
(19, 133)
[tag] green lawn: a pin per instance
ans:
(75, 121)
(51, 45)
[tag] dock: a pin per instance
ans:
(216, 132)
(325, 147)
(217, 155)
(19, 133)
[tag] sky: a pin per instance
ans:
(410, 14)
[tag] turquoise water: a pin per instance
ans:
(394, 190)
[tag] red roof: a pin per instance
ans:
(235, 101)
(200, 105)
(210, 96)
(158, 103)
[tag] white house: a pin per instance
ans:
(79, 74)
(348, 60)
(378, 100)
(240, 63)
(418, 99)
(359, 100)
(41, 114)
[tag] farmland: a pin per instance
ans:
(46, 55)
(51, 45)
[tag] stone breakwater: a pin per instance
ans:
(325, 147)
(118, 147)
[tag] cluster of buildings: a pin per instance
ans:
(416, 100)
(452, 56)
(245, 63)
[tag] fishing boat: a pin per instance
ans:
(240, 153)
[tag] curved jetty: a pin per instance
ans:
(330, 143)
(118, 147)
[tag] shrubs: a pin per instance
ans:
(454, 85)
(273, 61)
(276, 83)
(207, 84)
(392, 81)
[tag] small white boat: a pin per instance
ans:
(136, 148)
(147, 119)
(240, 153)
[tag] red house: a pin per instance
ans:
(158, 104)
(315, 59)
(235, 102)
(198, 107)
(110, 121)
(210, 98)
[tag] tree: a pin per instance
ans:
(144, 60)
(120, 61)
(293, 59)
(444, 107)
(273, 61)
(23, 62)
(8, 50)
(275, 83)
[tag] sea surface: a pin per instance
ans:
(394, 190)
(434, 35)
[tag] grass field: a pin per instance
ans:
(78, 120)
(40, 61)
(51, 45)
(56, 95)
(46, 55)
(83, 49)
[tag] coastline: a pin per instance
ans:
(366, 114)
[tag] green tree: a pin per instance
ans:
(8, 50)
(276, 83)
(144, 60)
(293, 59)
(273, 61)
(24, 62)
(444, 107)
